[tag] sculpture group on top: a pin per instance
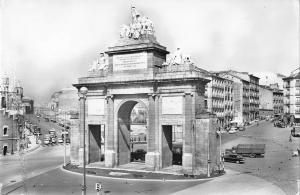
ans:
(139, 27)
(100, 64)
(178, 58)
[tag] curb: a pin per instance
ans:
(144, 180)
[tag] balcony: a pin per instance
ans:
(297, 94)
(297, 102)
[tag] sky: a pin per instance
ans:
(51, 43)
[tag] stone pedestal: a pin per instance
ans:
(110, 158)
(187, 163)
(153, 160)
(205, 150)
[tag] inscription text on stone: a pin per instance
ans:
(130, 61)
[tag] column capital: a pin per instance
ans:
(153, 95)
(109, 96)
(81, 96)
(188, 93)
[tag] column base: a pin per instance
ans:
(187, 163)
(152, 159)
(110, 158)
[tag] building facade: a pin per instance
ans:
(219, 99)
(253, 96)
(11, 111)
(245, 95)
(266, 98)
(292, 95)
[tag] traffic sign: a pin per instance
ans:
(98, 187)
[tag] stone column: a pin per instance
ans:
(187, 157)
(206, 140)
(153, 155)
(110, 153)
(75, 141)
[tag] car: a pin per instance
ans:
(232, 131)
(46, 141)
(229, 157)
(68, 140)
(53, 140)
(280, 124)
(242, 128)
(60, 140)
(138, 155)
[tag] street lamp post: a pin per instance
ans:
(65, 137)
(83, 91)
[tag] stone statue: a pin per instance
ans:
(100, 64)
(177, 57)
(187, 59)
(139, 27)
(134, 14)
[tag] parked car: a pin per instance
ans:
(280, 124)
(53, 140)
(60, 140)
(295, 132)
(233, 158)
(232, 131)
(242, 128)
(138, 155)
(46, 141)
(68, 140)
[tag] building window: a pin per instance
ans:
(5, 130)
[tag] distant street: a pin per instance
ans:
(278, 166)
(44, 125)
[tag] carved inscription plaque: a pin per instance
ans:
(95, 106)
(130, 61)
(172, 105)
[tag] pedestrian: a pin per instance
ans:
(257, 124)
(290, 140)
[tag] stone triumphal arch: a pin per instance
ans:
(137, 71)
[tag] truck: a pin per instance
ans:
(52, 132)
(251, 150)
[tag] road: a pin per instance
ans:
(21, 167)
(44, 176)
(278, 166)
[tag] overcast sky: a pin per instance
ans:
(52, 42)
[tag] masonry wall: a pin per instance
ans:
(10, 139)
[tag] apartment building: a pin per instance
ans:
(245, 94)
(292, 95)
(219, 98)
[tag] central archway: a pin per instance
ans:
(128, 136)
